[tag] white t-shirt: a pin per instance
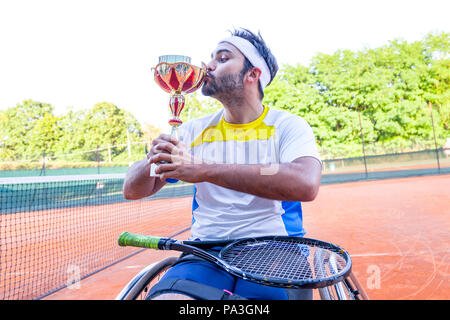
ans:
(220, 213)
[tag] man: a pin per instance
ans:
(251, 166)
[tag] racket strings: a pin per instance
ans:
(285, 259)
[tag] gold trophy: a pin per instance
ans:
(177, 76)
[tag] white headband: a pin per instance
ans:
(250, 52)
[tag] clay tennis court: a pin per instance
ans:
(396, 231)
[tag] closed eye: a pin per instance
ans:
(223, 59)
(222, 55)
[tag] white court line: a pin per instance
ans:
(385, 254)
(374, 254)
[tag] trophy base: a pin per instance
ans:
(175, 122)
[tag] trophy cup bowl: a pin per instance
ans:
(177, 76)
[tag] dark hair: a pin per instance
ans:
(260, 45)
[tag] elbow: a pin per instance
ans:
(132, 192)
(311, 193)
(131, 196)
(128, 193)
(311, 188)
(128, 196)
(306, 194)
(305, 181)
(137, 184)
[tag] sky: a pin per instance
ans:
(78, 53)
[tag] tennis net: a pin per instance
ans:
(58, 229)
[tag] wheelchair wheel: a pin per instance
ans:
(139, 286)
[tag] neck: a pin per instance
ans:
(242, 110)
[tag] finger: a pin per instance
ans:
(165, 146)
(176, 151)
(165, 167)
(173, 140)
(155, 150)
(168, 174)
(160, 157)
(157, 140)
(162, 138)
(168, 138)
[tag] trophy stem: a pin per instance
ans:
(174, 132)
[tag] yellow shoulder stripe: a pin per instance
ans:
(223, 131)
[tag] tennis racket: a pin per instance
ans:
(280, 261)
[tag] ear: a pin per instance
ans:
(253, 75)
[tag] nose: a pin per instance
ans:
(210, 66)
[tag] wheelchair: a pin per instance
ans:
(140, 285)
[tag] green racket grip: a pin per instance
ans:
(137, 240)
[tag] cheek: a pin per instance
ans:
(228, 68)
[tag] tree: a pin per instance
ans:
(389, 87)
(150, 132)
(197, 107)
(29, 129)
(105, 124)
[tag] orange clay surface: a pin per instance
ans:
(397, 232)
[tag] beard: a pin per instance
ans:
(224, 86)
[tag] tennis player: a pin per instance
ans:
(251, 167)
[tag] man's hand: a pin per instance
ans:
(163, 144)
(138, 182)
(174, 160)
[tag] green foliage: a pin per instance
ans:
(30, 128)
(392, 87)
(198, 106)
(105, 124)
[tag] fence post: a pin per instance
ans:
(98, 162)
(43, 164)
(434, 134)
(362, 140)
(129, 145)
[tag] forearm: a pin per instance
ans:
(138, 183)
(287, 182)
